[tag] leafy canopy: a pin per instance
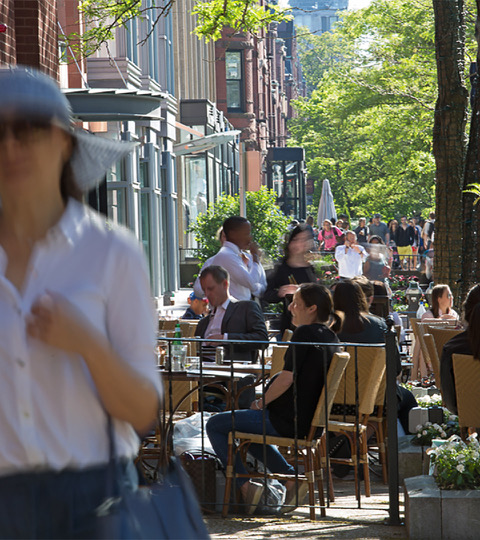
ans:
(269, 224)
(102, 17)
(367, 123)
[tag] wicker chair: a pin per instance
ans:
(371, 369)
(441, 335)
(308, 448)
(467, 383)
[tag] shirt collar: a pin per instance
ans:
(233, 247)
(224, 305)
(70, 224)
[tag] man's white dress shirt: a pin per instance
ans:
(245, 279)
(215, 324)
(51, 417)
(349, 261)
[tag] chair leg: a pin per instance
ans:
(229, 477)
(319, 478)
(309, 473)
(364, 458)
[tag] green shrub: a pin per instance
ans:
(269, 224)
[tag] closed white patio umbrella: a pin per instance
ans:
(326, 206)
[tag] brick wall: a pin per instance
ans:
(36, 34)
(7, 39)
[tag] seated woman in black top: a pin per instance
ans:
(359, 326)
(293, 270)
(312, 311)
(467, 342)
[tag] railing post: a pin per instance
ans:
(392, 405)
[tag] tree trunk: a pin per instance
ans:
(471, 245)
(449, 142)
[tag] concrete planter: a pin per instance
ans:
(412, 459)
(432, 513)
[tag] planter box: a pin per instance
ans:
(412, 459)
(432, 513)
(420, 392)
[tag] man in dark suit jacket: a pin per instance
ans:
(229, 318)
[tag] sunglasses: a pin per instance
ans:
(24, 131)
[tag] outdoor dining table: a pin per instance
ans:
(214, 375)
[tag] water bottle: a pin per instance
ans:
(421, 310)
(178, 351)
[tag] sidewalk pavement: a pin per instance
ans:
(344, 519)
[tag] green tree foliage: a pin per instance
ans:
(102, 17)
(269, 224)
(367, 125)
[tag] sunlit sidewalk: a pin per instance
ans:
(344, 519)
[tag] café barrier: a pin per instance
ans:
(201, 375)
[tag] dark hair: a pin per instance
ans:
(376, 237)
(299, 229)
(437, 292)
(218, 273)
(314, 294)
(232, 224)
(471, 314)
(365, 284)
(68, 185)
(349, 298)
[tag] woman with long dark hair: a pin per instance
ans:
(441, 304)
(467, 342)
(359, 326)
(316, 321)
(293, 270)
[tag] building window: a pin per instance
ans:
(233, 65)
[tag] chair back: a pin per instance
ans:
(287, 335)
(467, 380)
(188, 328)
(278, 355)
(420, 329)
(334, 376)
(169, 324)
(371, 368)
(441, 336)
(433, 354)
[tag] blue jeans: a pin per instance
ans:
(248, 421)
(56, 504)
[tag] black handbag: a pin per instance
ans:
(166, 508)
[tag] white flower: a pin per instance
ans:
(424, 432)
(419, 435)
(475, 455)
(428, 424)
(460, 468)
(436, 426)
(419, 427)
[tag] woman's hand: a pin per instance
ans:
(287, 289)
(57, 322)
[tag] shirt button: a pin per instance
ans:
(21, 362)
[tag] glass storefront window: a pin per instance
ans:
(194, 194)
(117, 205)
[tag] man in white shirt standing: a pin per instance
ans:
(247, 276)
(350, 257)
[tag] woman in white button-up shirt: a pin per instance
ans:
(76, 322)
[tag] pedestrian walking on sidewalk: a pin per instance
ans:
(76, 324)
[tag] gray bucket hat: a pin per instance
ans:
(33, 95)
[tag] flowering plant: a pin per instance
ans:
(429, 401)
(427, 432)
(457, 464)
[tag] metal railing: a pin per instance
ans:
(165, 431)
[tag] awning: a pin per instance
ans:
(202, 144)
(113, 104)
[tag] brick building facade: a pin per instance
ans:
(31, 35)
